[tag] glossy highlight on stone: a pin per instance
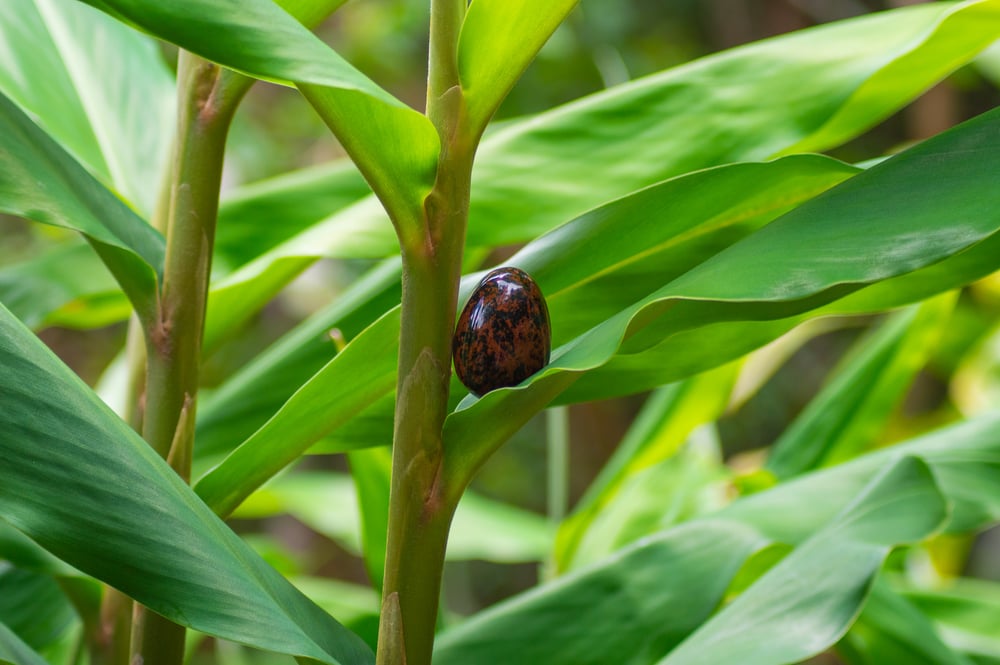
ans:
(503, 335)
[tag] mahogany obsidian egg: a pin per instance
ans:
(503, 334)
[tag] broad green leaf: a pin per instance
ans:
(397, 152)
(164, 547)
(66, 285)
(258, 38)
(356, 377)
(893, 630)
(33, 607)
(636, 605)
(909, 212)
(629, 609)
(964, 31)
(808, 600)
(24, 553)
(529, 176)
(850, 412)
(256, 217)
(695, 350)
(663, 425)
(498, 40)
(965, 612)
(965, 459)
(354, 605)
(100, 89)
(41, 182)
(394, 146)
(14, 651)
(252, 395)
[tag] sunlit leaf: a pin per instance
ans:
(41, 182)
(99, 88)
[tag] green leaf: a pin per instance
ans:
(961, 32)
(636, 605)
(364, 371)
(529, 176)
(965, 459)
(256, 217)
(631, 608)
(850, 412)
(660, 429)
(66, 285)
(39, 181)
(499, 39)
(371, 471)
(893, 630)
(909, 212)
(100, 89)
(33, 607)
(964, 611)
(397, 152)
(710, 210)
(808, 600)
(258, 38)
(24, 553)
(253, 394)
(394, 146)
(691, 483)
(14, 651)
(163, 546)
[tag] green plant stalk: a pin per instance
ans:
(112, 641)
(557, 477)
(421, 503)
(207, 98)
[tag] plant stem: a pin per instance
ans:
(421, 504)
(557, 495)
(207, 98)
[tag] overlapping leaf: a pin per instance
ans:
(629, 609)
(675, 588)
(252, 395)
(744, 197)
(892, 630)
(534, 174)
(808, 600)
(964, 610)
(394, 146)
(853, 407)
(638, 605)
(14, 651)
(529, 175)
(41, 182)
(910, 212)
(65, 285)
(658, 432)
(99, 88)
(163, 546)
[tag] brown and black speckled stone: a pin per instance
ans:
(503, 334)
